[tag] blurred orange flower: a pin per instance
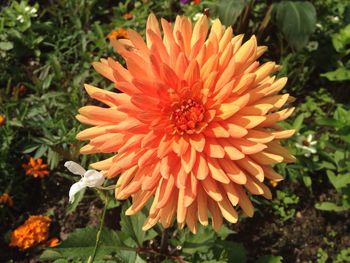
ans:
(34, 231)
(2, 120)
(119, 33)
(128, 16)
(53, 242)
(36, 168)
(195, 127)
(5, 198)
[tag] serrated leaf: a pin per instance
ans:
(132, 225)
(200, 242)
(80, 245)
(341, 39)
(297, 21)
(338, 181)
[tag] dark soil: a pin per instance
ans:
(299, 238)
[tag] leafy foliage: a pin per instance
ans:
(297, 21)
(341, 41)
(81, 243)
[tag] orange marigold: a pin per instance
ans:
(34, 231)
(2, 119)
(195, 127)
(36, 168)
(119, 33)
(6, 199)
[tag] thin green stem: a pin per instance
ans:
(98, 235)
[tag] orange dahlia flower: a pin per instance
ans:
(34, 231)
(36, 168)
(195, 127)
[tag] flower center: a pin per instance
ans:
(187, 116)
(306, 142)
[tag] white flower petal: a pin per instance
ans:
(75, 188)
(312, 150)
(313, 143)
(93, 178)
(298, 145)
(75, 168)
(310, 137)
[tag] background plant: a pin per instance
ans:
(46, 50)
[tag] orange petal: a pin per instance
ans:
(216, 171)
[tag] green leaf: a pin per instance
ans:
(40, 152)
(61, 261)
(270, 259)
(340, 74)
(232, 251)
(329, 206)
(80, 244)
(338, 181)
(200, 242)
(132, 226)
(30, 148)
(6, 45)
(307, 181)
(228, 10)
(341, 39)
(343, 255)
(298, 122)
(224, 232)
(297, 21)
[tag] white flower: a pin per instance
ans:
(33, 10)
(20, 18)
(334, 19)
(90, 178)
(307, 143)
(319, 25)
(312, 46)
